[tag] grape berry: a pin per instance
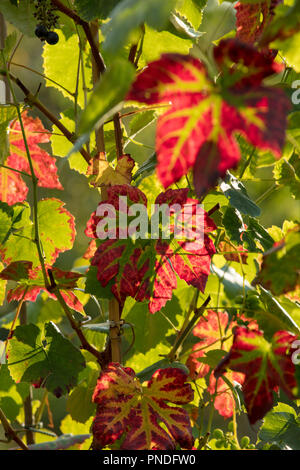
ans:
(47, 19)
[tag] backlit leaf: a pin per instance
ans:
(144, 267)
(266, 365)
(127, 408)
(198, 128)
(46, 359)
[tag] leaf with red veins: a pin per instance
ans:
(125, 407)
(224, 401)
(12, 187)
(266, 365)
(146, 269)
(31, 282)
(43, 164)
(198, 128)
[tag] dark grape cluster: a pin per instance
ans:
(47, 20)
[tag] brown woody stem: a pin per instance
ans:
(86, 27)
(10, 432)
(184, 332)
(34, 101)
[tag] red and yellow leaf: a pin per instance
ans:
(137, 411)
(30, 282)
(146, 268)
(198, 128)
(266, 366)
(12, 187)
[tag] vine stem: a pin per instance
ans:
(10, 432)
(27, 403)
(84, 343)
(33, 178)
(86, 27)
(185, 330)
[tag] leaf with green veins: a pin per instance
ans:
(287, 173)
(271, 315)
(106, 98)
(198, 128)
(238, 197)
(144, 268)
(57, 233)
(92, 9)
(20, 16)
(279, 271)
(233, 224)
(266, 365)
(7, 114)
(144, 409)
(45, 359)
(256, 236)
(281, 426)
(129, 15)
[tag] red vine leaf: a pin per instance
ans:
(137, 411)
(215, 331)
(209, 330)
(198, 129)
(12, 187)
(266, 366)
(30, 282)
(145, 268)
(252, 19)
(224, 401)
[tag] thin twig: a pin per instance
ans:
(10, 432)
(34, 101)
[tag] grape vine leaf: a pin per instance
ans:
(44, 358)
(137, 412)
(20, 16)
(144, 268)
(57, 233)
(253, 18)
(215, 332)
(279, 271)
(281, 426)
(30, 283)
(266, 365)
(198, 128)
(12, 187)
